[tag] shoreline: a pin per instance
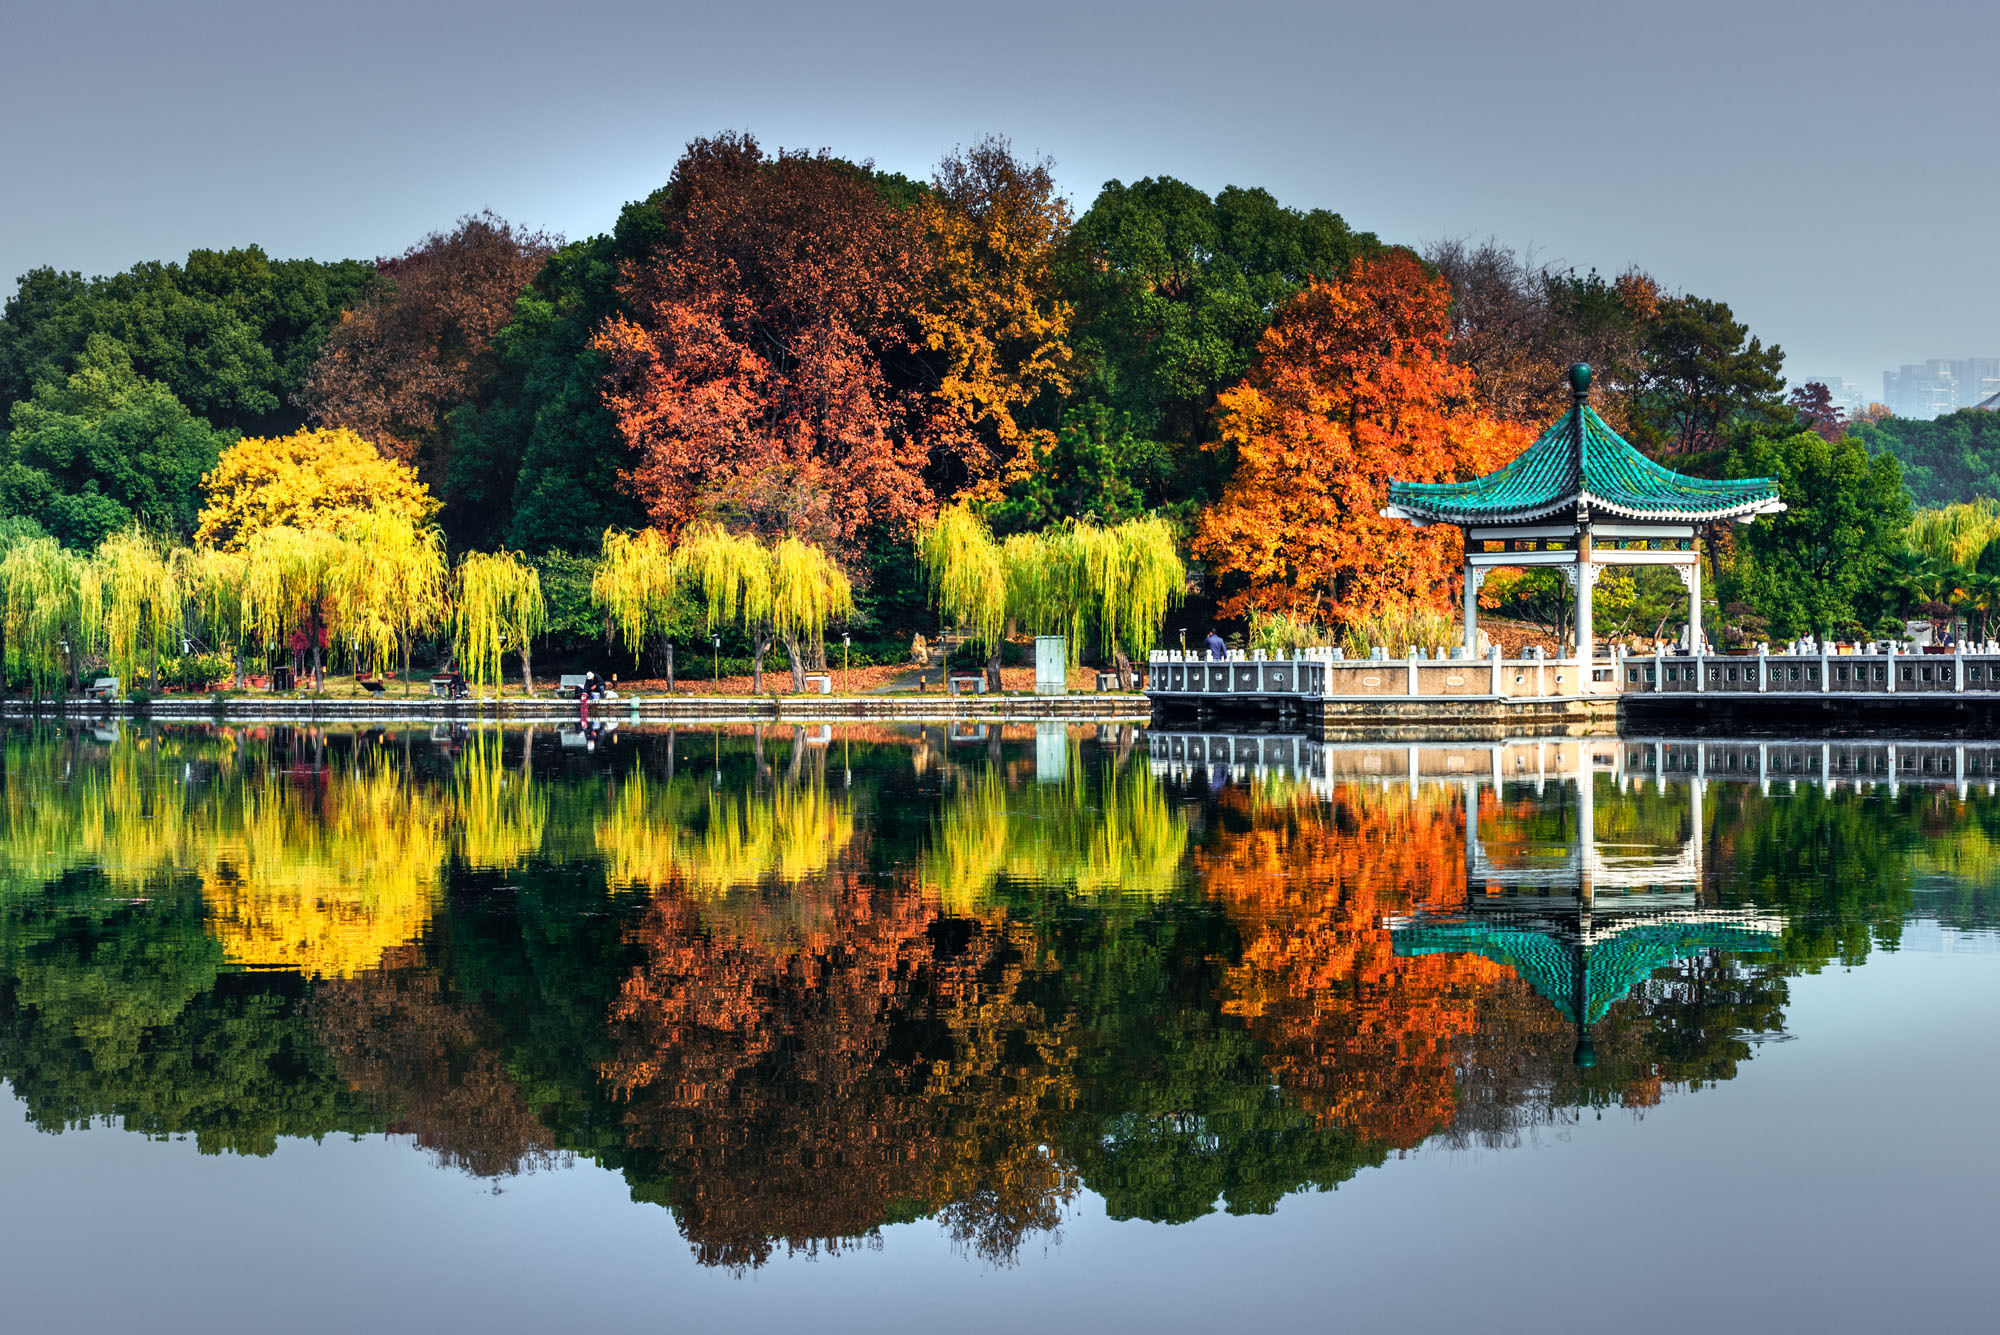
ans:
(752, 709)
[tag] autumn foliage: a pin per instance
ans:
(309, 480)
(783, 1055)
(993, 321)
(1353, 386)
(1356, 1033)
(757, 370)
(396, 365)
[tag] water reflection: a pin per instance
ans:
(798, 984)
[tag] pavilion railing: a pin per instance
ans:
(1325, 674)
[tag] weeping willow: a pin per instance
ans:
(144, 589)
(54, 609)
(499, 815)
(1953, 536)
(636, 584)
(733, 575)
(967, 572)
(716, 842)
(396, 588)
(499, 607)
(319, 880)
(1123, 840)
(1047, 588)
(294, 586)
(217, 601)
(807, 592)
(124, 813)
(1111, 586)
(1134, 572)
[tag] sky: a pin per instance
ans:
(1826, 168)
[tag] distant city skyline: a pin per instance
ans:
(1938, 385)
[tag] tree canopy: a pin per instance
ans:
(313, 479)
(1950, 459)
(1821, 566)
(1352, 386)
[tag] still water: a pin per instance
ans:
(984, 1029)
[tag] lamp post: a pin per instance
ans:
(846, 684)
(715, 666)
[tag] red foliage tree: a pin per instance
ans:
(394, 368)
(766, 367)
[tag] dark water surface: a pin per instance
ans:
(950, 1028)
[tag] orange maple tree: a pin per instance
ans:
(995, 327)
(1353, 386)
(1358, 1034)
(765, 368)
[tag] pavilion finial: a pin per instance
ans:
(1579, 380)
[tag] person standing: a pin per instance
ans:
(1215, 646)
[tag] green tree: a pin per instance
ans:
(1172, 290)
(103, 447)
(539, 462)
(1702, 371)
(231, 333)
(1820, 564)
(1952, 459)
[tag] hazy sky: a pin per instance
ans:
(1828, 168)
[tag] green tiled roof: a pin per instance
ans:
(1615, 480)
(1611, 969)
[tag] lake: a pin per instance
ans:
(979, 1028)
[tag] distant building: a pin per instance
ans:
(1846, 395)
(1941, 386)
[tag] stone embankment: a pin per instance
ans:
(703, 708)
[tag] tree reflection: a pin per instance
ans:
(1356, 1033)
(797, 988)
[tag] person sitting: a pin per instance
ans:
(592, 687)
(1215, 646)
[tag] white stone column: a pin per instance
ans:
(1585, 575)
(1474, 577)
(1691, 577)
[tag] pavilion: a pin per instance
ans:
(1579, 499)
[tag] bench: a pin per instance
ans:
(441, 687)
(1108, 681)
(104, 688)
(569, 684)
(819, 681)
(975, 684)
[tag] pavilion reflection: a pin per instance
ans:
(1582, 913)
